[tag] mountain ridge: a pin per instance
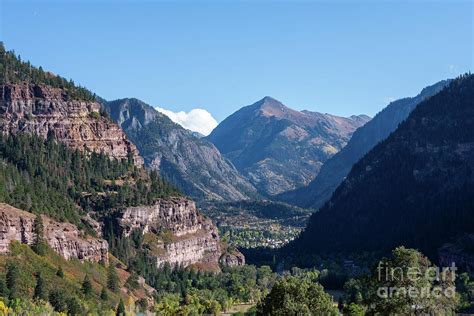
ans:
(192, 163)
(414, 188)
(366, 137)
(278, 148)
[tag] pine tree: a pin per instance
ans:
(103, 294)
(3, 288)
(39, 245)
(86, 286)
(12, 278)
(40, 292)
(112, 279)
(121, 308)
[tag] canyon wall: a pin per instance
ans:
(64, 238)
(48, 111)
(177, 233)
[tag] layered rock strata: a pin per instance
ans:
(64, 238)
(48, 111)
(176, 231)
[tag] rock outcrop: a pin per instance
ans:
(64, 238)
(176, 215)
(48, 111)
(232, 259)
(176, 232)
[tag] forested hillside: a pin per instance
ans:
(336, 168)
(14, 70)
(416, 188)
(50, 178)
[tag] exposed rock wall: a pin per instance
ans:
(177, 215)
(182, 236)
(44, 111)
(232, 259)
(64, 238)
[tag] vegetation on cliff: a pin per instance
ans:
(47, 177)
(14, 70)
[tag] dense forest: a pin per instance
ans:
(14, 70)
(416, 188)
(47, 177)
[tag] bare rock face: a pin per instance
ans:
(177, 215)
(232, 259)
(64, 238)
(43, 110)
(15, 224)
(176, 232)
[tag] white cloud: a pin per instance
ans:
(196, 120)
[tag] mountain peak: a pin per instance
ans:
(269, 106)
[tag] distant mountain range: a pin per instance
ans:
(279, 149)
(190, 162)
(416, 188)
(336, 168)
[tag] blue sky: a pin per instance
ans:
(336, 57)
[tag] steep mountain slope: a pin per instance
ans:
(62, 157)
(335, 169)
(193, 164)
(37, 102)
(279, 149)
(416, 188)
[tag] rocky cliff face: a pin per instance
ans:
(176, 231)
(176, 215)
(280, 149)
(232, 259)
(192, 163)
(64, 238)
(48, 111)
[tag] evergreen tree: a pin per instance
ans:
(86, 286)
(112, 279)
(103, 294)
(40, 291)
(3, 288)
(132, 282)
(121, 309)
(39, 244)
(58, 300)
(74, 306)
(12, 279)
